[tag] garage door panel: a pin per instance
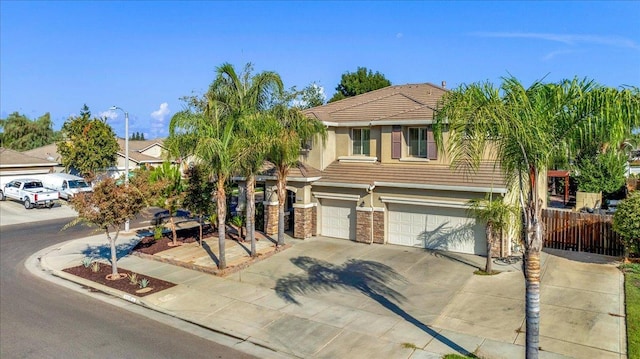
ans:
(435, 228)
(338, 219)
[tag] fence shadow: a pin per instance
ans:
(370, 278)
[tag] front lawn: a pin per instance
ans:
(632, 295)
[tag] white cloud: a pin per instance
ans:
(110, 114)
(399, 35)
(569, 39)
(159, 126)
(553, 54)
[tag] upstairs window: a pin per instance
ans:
(417, 142)
(360, 138)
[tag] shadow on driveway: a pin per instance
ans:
(367, 277)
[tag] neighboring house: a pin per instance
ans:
(145, 153)
(379, 178)
(15, 164)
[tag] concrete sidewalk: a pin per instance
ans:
(330, 298)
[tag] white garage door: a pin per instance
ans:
(435, 228)
(338, 218)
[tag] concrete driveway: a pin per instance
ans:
(12, 212)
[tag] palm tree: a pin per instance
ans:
(294, 129)
(171, 193)
(523, 127)
(247, 98)
(497, 214)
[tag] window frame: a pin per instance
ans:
(361, 130)
(421, 142)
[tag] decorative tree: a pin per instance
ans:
(498, 215)
(199, 194)
(108, 207)
(21, 134)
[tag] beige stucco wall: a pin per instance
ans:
(154, 151)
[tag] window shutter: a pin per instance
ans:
(432, 150)
(396, 142)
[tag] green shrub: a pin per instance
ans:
(626, 222)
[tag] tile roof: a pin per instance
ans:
(487, 176)
(11, 158)
(47, 152)
(137, 145)
(401, 102)
(302, 170)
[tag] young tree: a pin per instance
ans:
(199, 193)
(87, 145)
(108, 207)
(359, 82)
(21, 134)
(171, 194)
(626, 221)
(522, 127)
(497, 215)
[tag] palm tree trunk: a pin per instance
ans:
(282, 198)
(489, 233)
(251, 212)
(532, 270)
(114, 256)
(222, 210)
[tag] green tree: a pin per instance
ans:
(19, 133)
(171, 194)
(497, 215)
(599, 171)
(108, 207)
(247, 98)
(359, 82)
(87, 145)
(199, 193)
(293, 129)
(626, 222)
(522, 127)
(310, 96)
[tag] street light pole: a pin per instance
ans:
(126, 153)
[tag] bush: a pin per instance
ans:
(626, 222)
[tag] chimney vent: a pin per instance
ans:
(444, 84)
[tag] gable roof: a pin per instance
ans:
(11, 158)
(48, 152)
(392, 103)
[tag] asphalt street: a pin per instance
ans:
(44, 320)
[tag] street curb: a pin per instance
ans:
(40, 259)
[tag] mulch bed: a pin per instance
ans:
(151, 246)
(123, 284)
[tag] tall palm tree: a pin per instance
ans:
(293, 129)
(497, 215)
(248, 98)
(523, 127)
(211, 139)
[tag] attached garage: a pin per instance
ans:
(435, 227)
(338, 218)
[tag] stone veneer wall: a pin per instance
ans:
(314, 220)
(499, 248)
(363, 226)
(271, 219)
(303, 225)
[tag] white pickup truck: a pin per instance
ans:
(31, 192)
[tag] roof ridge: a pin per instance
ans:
(386, 88)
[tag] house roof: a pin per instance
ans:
(11, 158)
(392, 103)
(302, 172)
(136, 147)
(486, 178)
(47, 152)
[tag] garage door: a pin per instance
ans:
(338, 218)
(435, 228)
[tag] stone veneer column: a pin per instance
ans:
(363, 225)
(270, 218)
(303, 220)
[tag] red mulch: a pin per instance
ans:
(149, 245)
(123, 284)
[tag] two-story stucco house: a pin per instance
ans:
(378, 177)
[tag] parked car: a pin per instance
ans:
(31, 192)
(68, 185)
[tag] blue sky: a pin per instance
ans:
(143, 56)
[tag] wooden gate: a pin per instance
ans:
(583, 232)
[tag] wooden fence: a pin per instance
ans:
(583, 232)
